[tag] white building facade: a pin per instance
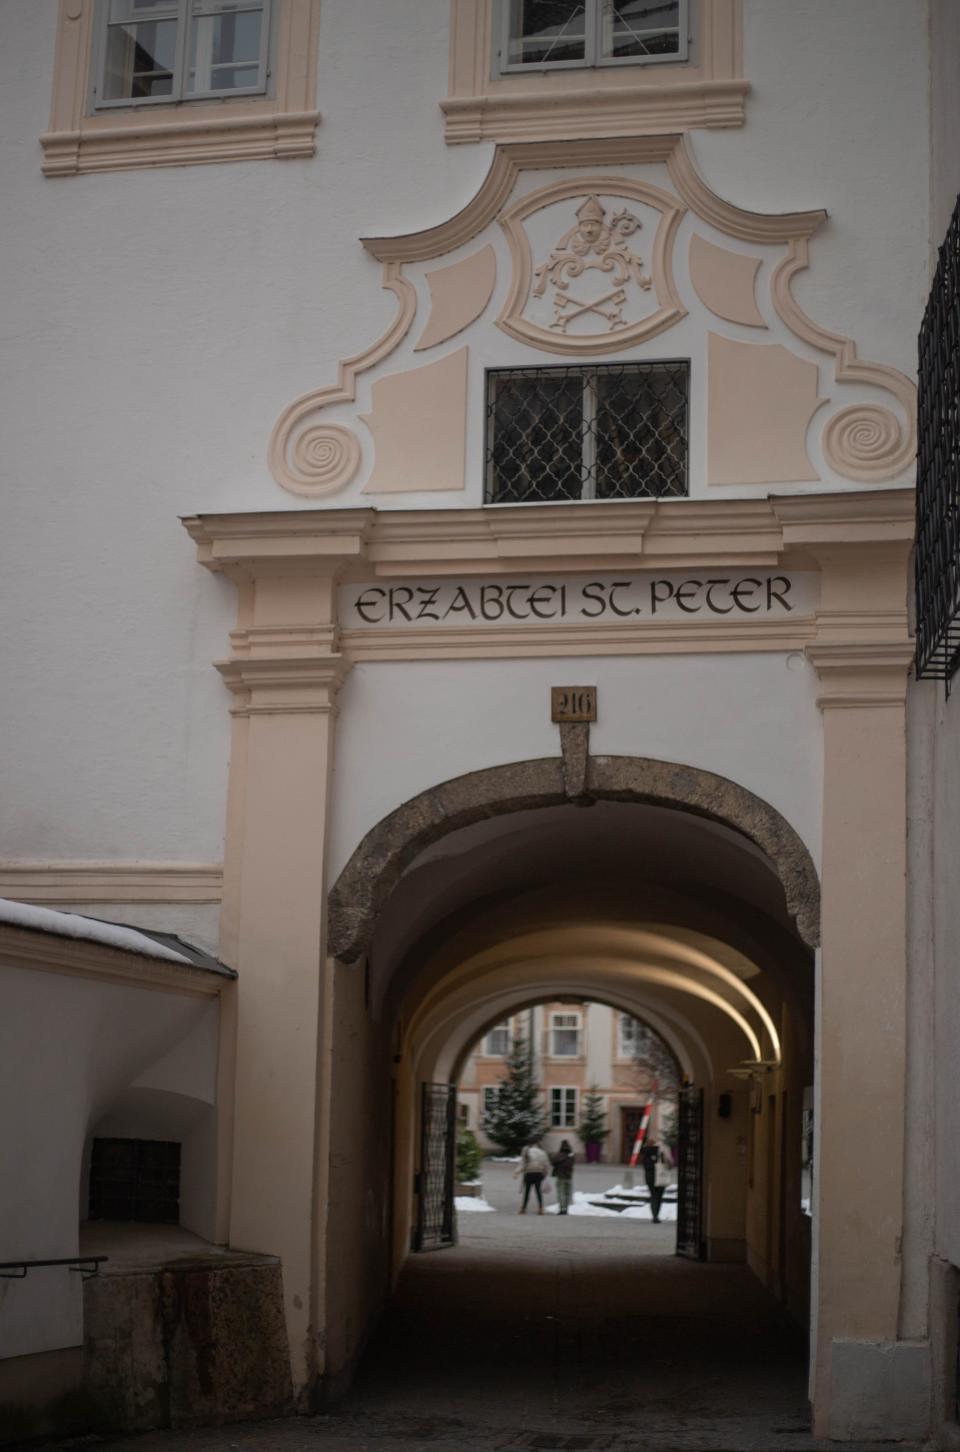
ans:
(459, 508)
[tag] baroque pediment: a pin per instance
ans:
(596, 250)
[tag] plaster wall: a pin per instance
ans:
(161, 319)
(944, 115)
(68, 1047)
(752, 718)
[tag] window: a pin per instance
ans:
(135, 1179)
(180, 50)
(631, 1034)
(147, 83)
(490, 1094)
(563, 1108)
(614, 431)
(496, 1044)
(564, 1035)
(937, 565)
(518, 73)
(549, 34)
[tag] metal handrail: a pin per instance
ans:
(16, 1270)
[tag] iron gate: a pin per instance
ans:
(436, 1224)
(690, 1178)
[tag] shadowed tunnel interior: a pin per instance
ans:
(683, 923)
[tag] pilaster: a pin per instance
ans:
(861, 1028)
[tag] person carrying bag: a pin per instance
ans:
(534, 1167)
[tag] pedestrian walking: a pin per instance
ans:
(655, 1166)
(563, 1162)
(534, 1166)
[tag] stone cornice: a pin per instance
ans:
(49, 953)
(290, 655)
(861, 674)
(74, 882)
(516, 539)
(282, 684)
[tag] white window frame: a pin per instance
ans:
(179, 95)
(625, 1050)
(594, 20)
(491, 1053)
(577, 1025)
(488, 1098)
(569, 1106)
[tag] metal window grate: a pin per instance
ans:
(614, 431)
(938, 470)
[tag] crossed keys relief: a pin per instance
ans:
(593, 244)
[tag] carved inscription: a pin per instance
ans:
(647, 596)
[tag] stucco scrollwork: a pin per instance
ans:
(322, 458)
(864, 441)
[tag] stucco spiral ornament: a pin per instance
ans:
(866, 441)
(321, 459)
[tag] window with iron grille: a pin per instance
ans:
(938, 470)
(610, 431)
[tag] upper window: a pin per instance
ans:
(180, 50)
(564, 1035)
(497, 1042)
(547, 34)
(631, 1034)
(613, 431)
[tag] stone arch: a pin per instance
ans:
(389, 847)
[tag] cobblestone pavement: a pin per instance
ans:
(542, 1332)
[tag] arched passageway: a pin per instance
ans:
(677, 898)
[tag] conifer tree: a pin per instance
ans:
(592, 1127)
(517, 1115)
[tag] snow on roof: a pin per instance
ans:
(93, 930)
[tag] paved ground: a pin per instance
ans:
(549, 1332)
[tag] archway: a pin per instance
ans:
(679, 898)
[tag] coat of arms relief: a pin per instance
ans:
(592, 265)
(593, 244)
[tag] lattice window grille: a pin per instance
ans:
(937, 564)
(610, 431)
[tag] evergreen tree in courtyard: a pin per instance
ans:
(592, 1128)
(517, 1115)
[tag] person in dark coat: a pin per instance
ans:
(563, 1162)
(654, 1160)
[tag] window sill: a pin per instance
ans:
(580, 102)
(594, 111)
(106, 144)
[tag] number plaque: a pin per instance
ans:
(573, 703)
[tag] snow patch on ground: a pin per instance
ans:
(581, 1205)
(472, 1205)
(71, 925)
(587, 1204)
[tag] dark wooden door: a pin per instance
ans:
(631, 1117)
